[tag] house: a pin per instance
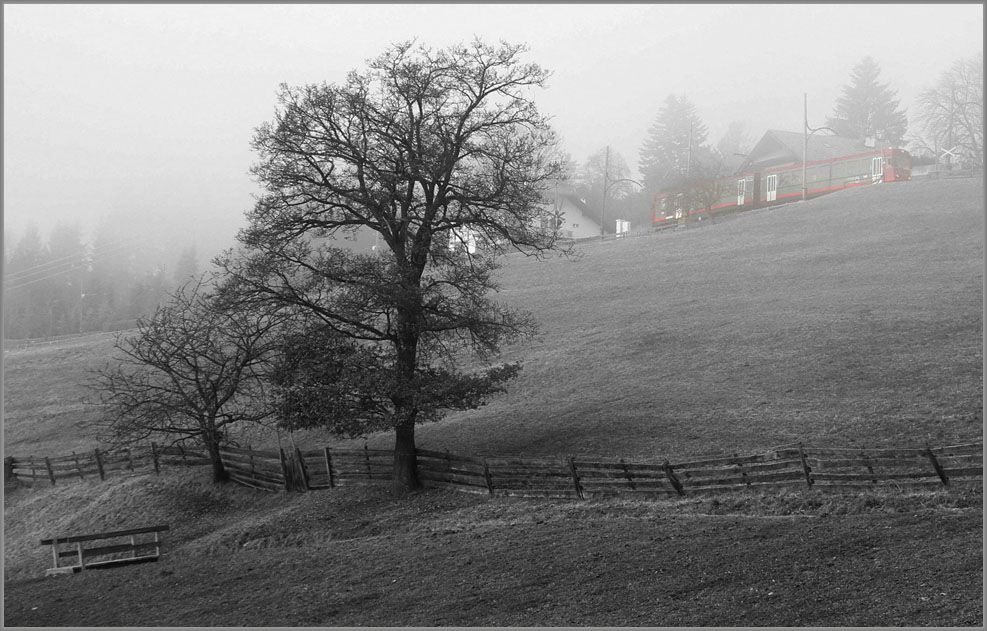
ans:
(574, 218)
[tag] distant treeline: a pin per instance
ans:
(64, 285)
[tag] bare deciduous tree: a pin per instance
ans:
(952, 113)
(191, 370)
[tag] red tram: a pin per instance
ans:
(780, 184)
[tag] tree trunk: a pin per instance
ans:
(211, 441)
(405, 461)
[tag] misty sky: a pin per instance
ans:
(148, 110)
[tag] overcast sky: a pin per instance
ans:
(149, 110)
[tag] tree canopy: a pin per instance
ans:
(672, 139)
(868, 108)
(952, 112)
(427, 149)
(193, 368)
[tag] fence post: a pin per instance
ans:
(54, 551)
(181, 450)
(78, 467)
(672, 478)
(743, 473)
(99, 464)
(870, 469)
(805, 466)
(936, 466)
(488, 477)
(51, 474)
(154, 455)
(301, 468)
(332, 481)
(627, 474)
(8, 470)
(284, 471)
(575, 477)
(366, 454)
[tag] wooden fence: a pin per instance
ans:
(100, 463)
(581, 476)
(561, 477)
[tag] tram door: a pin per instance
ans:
(877, 169)
(741, 190)
(771, 187)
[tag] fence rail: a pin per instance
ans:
(100, 463)
(561, 477)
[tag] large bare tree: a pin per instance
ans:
(428, 149)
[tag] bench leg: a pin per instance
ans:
(82, 562)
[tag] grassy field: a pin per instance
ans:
(359, 557)
(851, 320)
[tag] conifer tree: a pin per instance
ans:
(868, 108)
(676, 133)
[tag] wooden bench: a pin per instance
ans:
(104, 555)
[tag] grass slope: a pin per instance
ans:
(851, 320)
(359, 557)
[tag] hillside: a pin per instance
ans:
(359, 557)
(851, 320)
(854, 319)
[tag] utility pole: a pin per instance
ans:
(688, 159)
(805, 139)
(603, 210)
(806, 133)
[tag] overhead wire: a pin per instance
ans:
(22, 278)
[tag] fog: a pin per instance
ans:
(147, 112)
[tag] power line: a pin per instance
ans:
(22, 278)
(106, 249)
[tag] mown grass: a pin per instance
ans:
(359, 557)
(851, 320)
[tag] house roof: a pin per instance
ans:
(581, 205)
(783, 147)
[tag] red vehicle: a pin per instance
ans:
(780, 184)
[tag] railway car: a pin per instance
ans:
(779, 184)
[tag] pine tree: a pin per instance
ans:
(676, 133)
(734, 141)
(187, 266)
(66, 262)
(25, 287)
(868, 108)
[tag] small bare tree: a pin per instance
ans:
(191, 370)
(706, 184)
